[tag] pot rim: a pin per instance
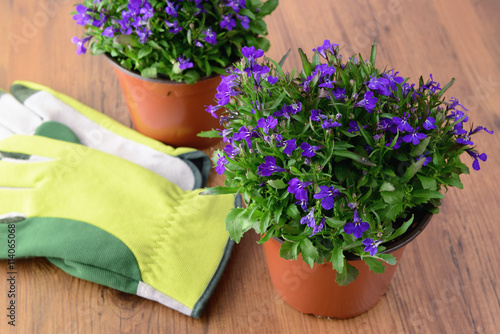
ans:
(136, 75)
(418, 225)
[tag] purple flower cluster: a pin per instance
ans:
(228, 20)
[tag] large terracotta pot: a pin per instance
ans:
(169, 111)
(314, 291)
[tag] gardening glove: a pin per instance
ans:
(31, 106)
(110, 221)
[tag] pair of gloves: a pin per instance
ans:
(107, 204)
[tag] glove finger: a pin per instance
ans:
(100, 132)
(16, 117)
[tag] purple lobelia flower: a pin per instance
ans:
(308, 150)
(414, 137)
(251, 54)
(309, 219)
(220, 168)
(109, 32)
(99, 22)
(339, 94)
(357, 227)
(480, 128)
(286, 111)
(476, 156)
(429, 123)
(210, 36)
(174, 27)
(371, 245)
(316, 115)
(327, 194)
(368, 101)
(432, 85)
(184, 63)
(269, 167)
(318, 227)
(231, 150)
(353, 127)
(272, 80)
(82, 17)
(267, 124)
(330, 123)
(402, 123)
(327, 46)
(227, 22)
(243, 134)
(244, 21)
(298, 188)
(394, 80)
(212, 110)
(225, 90)
(171, 9)
(290, 146)
(380, 86)
(80, 44)
(236, 5)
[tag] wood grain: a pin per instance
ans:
(447, 281)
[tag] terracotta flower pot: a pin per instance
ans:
(314, 291)
(169, 111)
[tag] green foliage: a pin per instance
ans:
(158, 55)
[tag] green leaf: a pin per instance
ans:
(288, 250)
(453, 181)
(348, 275)
(337, 260)
(375, 265)
(234, 224)
(429, 183)
(355, 157)
(283, 59)
(392, 197)
(268, 7)
(401, 230)
(210, 134)
(143, 52)
(425, 195)
(149, 72)
(265, 221)
(445, 88)
(388, 258)
(267, 236)
(387, 186)
(277, 184)
(309, 252)
(421, 147)
(373, 54)
(411, 171)
(335, 223)
(306, 65)
(191, 76)
(219, 190)
(392, 211)
(293, 212)
(364, 133)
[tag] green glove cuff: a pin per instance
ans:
(34, 104)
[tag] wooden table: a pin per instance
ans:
(448, 280)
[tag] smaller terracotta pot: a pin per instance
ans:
(169, 111)
(314, 290)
